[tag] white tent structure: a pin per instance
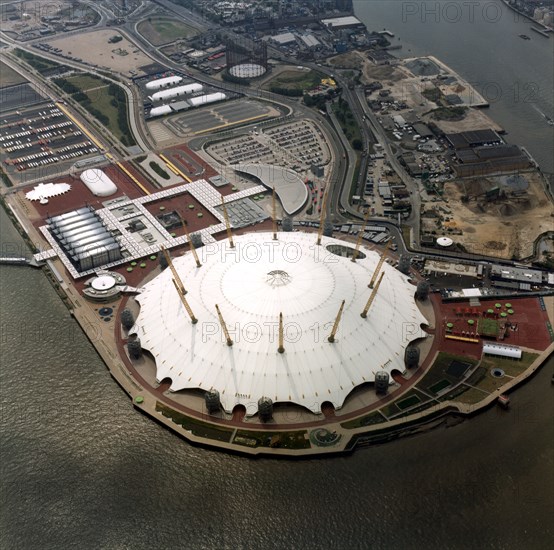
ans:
(98, 182)
(502, 351)
(170, 93)
(43, 191)
(252, 284)
(166, 82)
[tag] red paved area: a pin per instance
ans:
(190, 163)
(305, 416)
(181, 203)
(526, 327)
(80, 196)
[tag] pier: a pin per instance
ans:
(19, 260)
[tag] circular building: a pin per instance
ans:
(445, 242)
(246, 59)
(253, 284)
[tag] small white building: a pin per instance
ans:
(98, 183)
(502, 351)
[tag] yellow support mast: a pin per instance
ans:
(281, 348)
(193, 319)
(380, 264)
(223, 326)
(173, 270)
(192, 247)
(336, 325)
(274, 216)
(227, 224)
(372, 297)
(360, 235)
(322, 217)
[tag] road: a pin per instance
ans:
(345, 157)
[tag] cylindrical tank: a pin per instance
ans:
(213, 402)
(381, 381)
(422, 292)
(135, 349)
(404, 264)
(411, 357)
(196, 239)
(265, 409)
(127, 319)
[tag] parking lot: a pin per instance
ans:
(220, 115)
(37, 137)
(297, 145)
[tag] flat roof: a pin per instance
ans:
(284, 38)
(252, 284)
(347, 21)
(517, 274)
(289, 186)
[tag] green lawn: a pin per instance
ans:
(105, 101)
(9, 77)
(162, 30)
(197, 427)
(439, 386)
(86, 81)
(38, 63)
(296, 81)
(487, 327)
(373, 418)
(348, 123)
(437, 373)
(282, 440)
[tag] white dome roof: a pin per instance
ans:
(252, 284)
(444, 241)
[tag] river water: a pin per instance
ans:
(80, 468)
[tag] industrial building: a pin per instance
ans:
(284, 39)
(475, 138)
(490, 160)
(83, 237)
(348, 22)
(197, 101)
(516, 274)
(246, 59)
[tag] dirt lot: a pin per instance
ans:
(504, 227)
(370, 71)
(93, 47)
(475, 119)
